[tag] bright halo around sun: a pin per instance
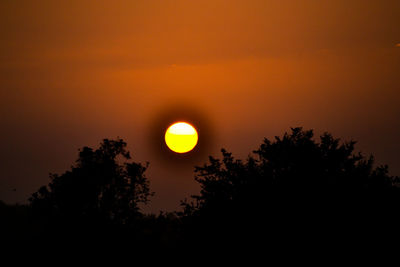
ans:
(181, 137)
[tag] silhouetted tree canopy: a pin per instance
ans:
(292, 182)
(291, 189)
(103, 186)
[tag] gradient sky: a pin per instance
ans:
(75, 72)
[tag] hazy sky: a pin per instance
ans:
(75, 72)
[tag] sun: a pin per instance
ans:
(181, 137)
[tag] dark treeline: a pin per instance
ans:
(291, 189)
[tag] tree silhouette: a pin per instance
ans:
(102, 188)
(290, 186)
(291, 190)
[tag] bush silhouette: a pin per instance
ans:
(98, 190)
(291, 186)
(291, 190)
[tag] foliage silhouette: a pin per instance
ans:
(292, 186)
(98, 190)
(291, 190)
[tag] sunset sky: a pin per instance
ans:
(75, 72)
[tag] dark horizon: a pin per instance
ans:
(295, 189)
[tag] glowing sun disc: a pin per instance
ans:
(181, 137)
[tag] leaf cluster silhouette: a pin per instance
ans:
(99, 190)
(290, 188)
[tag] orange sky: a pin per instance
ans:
(75, 72)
